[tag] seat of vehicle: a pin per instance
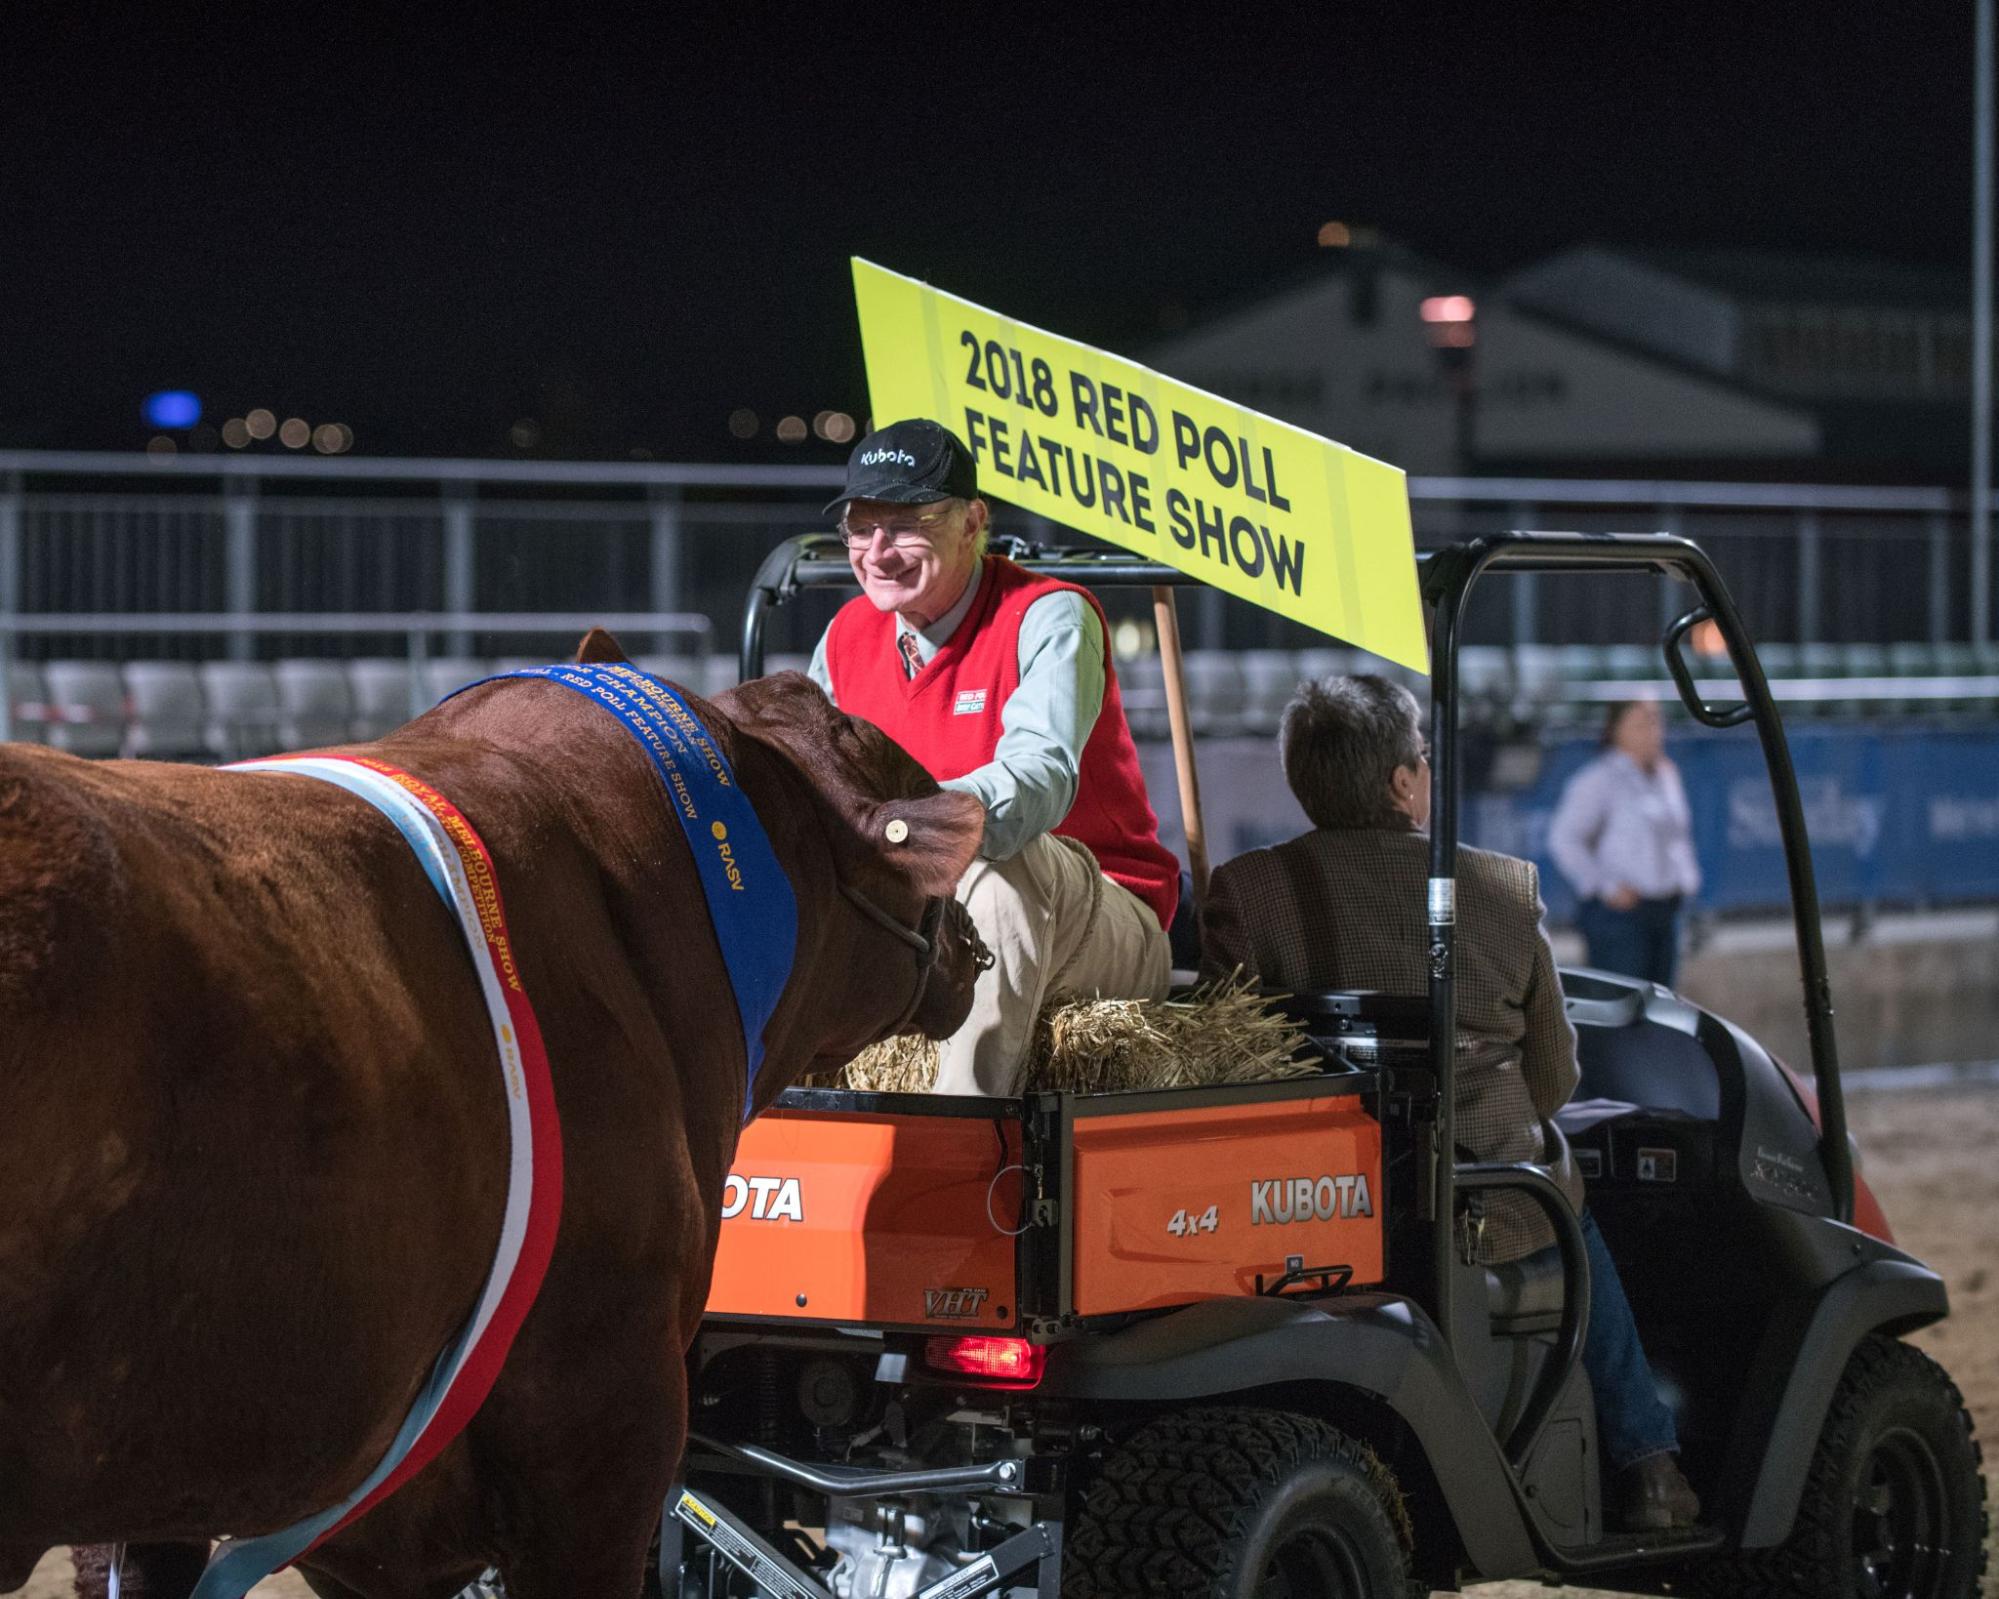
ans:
(1525, 1296)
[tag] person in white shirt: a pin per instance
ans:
(1623, 837)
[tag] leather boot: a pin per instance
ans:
(1653, 1496)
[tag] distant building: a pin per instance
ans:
(1600, 362)
(1880, 353)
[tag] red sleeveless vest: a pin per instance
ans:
(948, 717)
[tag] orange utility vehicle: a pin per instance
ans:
(1226, 1341)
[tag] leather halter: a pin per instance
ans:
(921, 938)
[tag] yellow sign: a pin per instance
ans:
(1256, 507)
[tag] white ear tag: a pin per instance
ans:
(897, 831)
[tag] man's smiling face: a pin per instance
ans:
(915, 559)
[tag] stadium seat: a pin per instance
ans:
(86, 707)
(166, 711)
(1779, 660)
(1484, 672)
(27, 703)
(379, 687)
(1316, 665)
(684, 670)
(445, 674)
(1216, 691)
(1626, 663)
(718, 672)
(1270, 678)
(1538, 683)
(315, 704)
(1915, 660)
(242, 702)
(1142, 684)
(1581, 663)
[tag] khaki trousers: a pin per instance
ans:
(1057, 927)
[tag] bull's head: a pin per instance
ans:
(900, 844)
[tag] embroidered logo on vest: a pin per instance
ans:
(970, 702)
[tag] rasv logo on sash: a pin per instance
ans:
(721, 837)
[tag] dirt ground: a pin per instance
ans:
(1932, 1156)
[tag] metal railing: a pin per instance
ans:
(97, 533)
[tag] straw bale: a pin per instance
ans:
(1220, 1033)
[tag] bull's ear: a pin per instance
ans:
(598, 645)
(932, 840)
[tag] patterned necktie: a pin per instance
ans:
(912, 663)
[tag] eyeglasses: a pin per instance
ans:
(900, 531)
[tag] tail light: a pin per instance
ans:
(991, 1362)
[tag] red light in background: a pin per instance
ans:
(1013, 1362)
(1447, 308)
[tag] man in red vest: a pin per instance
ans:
(1000, 683)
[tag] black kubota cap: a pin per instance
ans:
(909, 463)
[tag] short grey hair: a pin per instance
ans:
(1341, 740)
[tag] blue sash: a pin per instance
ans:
(750, 902)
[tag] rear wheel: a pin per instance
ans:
(1239, 1504)
(1894, 1506)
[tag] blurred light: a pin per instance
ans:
(819, 424)
(791, 429)
(235, 433)
(296, 433)
(330, 438)
(1334, 236)
(525, 434)
(161, 448)
(172, 408)
(1453, 335)
(1707, 639)
(261, 423)
(641, 453)
(1447, 308)
(839, 427)
(743, 422)
(1131, 639)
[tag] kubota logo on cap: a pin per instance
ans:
(888, 457)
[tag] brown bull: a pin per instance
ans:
(253, 1149)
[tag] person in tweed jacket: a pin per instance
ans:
(1343, 907)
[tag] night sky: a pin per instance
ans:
(431, 228)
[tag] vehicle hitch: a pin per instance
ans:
(1330, 1279)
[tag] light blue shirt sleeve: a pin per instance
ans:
(818, 670)
(1030, 783)
(1577, 826)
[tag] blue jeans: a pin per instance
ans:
(1642, 942)
(1632, 1421)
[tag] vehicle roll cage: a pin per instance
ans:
(1447, 579)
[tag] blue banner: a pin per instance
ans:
(1897, 814)
(750, 902)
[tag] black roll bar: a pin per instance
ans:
(1538, 1186)
(1447, 581)
(1447, 577)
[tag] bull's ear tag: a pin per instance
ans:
(897, 831)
